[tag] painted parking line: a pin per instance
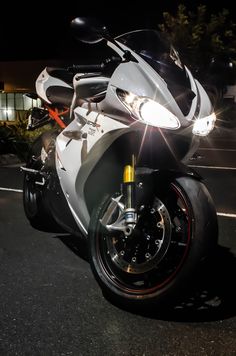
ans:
(11, 190)
(216, 149)
(213, 167)
(228, 215)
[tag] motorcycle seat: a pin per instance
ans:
(59, 95)
(91, 87)
(61, 73)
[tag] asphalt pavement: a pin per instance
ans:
(50, 303)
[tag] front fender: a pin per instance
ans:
(149, 180)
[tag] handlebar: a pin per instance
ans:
(77, 68)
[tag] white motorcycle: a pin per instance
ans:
(112, 167)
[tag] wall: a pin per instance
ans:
(21, 75)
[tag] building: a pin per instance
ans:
(16, 79)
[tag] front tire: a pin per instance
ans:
(174, 233)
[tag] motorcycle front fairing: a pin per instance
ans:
(185, 98)
(101, 125)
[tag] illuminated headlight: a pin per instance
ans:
(148, 111)
(203, 126)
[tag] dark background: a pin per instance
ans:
(41, 30)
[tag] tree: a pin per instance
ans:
(207, 42)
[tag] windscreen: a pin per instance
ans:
(154, 48)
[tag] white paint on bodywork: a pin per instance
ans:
(44, 81)
(77, 158)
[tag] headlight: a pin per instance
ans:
(148, 111)
(203, 126)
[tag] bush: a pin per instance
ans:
(15, 138)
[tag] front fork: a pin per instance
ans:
(128, 188)
(126, 204)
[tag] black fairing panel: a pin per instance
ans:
(54, 197)
(61, 73)
(59, 207)
(60, 95)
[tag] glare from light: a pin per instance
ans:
(8, 112)
(203, 126)
(129, 98)
(157, 115)
(149, 111)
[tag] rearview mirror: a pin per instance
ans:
(88, 30)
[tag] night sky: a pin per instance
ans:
(38, 31)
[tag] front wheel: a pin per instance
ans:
(174, 232)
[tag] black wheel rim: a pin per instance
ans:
(147, 261)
